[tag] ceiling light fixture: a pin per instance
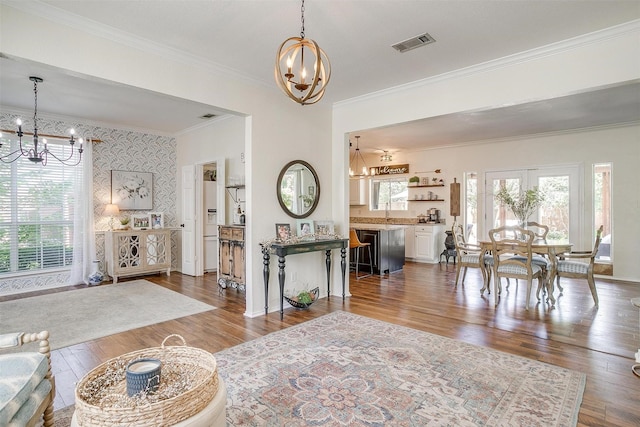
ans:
(356, 159)
(291, 57)
(386, 157)
(32, 153)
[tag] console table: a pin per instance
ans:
(284, 249)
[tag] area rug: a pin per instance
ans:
(343, 369)
(76, 316)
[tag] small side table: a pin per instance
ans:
(636, 368)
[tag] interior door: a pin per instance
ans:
(189, 220)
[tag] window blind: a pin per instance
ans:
(37, 211)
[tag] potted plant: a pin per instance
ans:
(522, 204)
(124, 223)
(414, 180)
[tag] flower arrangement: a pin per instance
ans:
(522, 204)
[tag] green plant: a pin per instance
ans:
(522, 204)
(305, 297)
(124, 220)
(414, 179)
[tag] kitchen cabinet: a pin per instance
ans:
(136, 252)
(387, 249)
(410, 242)
(357, 192)
(231, 270)
(429, 243)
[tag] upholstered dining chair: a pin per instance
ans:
(579, 265)
(512, 257)
(540, 232)
(469, 256)
(358, 246)
(27, 387)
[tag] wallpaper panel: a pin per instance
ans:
(119, 150)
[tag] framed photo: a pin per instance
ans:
(156, 220)
(283, 232)
(132, 190)
(304, 229)
(139, 221)
(324, 229)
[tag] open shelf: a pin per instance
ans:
(425, 200)
(424, 186)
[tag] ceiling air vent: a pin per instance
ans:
(207, 116)
(413, 42)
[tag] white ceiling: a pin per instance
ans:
(243, 36)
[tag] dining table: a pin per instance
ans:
(545, 247)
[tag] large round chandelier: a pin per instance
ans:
(293, 58)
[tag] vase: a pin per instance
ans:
(96, 277)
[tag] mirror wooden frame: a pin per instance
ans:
(316, 196)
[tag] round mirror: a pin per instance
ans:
(298, 189)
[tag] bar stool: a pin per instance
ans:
(355, 243)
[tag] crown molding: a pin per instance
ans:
(518, 58)
(52, 13)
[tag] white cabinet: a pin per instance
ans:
(135, 252)
(210, 253)
(410, 242)
(429, 243)
(357, 192)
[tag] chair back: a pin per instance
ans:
(540, 231)
(459, 239)
(511, 246)
(596, 245)
(354, 242)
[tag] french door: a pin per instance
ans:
(560, 210)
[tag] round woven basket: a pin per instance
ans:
(102, 400)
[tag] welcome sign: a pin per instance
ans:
(390, 169)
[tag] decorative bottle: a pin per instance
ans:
(96, 277)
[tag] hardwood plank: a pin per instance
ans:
(600, 342)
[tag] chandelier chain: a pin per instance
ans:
(35, 109)
(302, 20)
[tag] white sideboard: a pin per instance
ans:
(136, 252)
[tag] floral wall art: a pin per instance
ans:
(132, 190)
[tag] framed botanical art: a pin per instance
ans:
(283, 232)
(156, 219)
(132, 190)
(140, 221)
(324, 229)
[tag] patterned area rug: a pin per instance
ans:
(343, 369)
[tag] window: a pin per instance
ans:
(389, 194)
(36, 212)
(471, 206)
(602, 209)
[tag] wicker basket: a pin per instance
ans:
(189, 384)
(314, 297)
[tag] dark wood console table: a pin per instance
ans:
(284, 249)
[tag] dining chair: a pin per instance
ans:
(512, 257)
(540, 232)
(469, 256)
(357, 246)
(579, 265)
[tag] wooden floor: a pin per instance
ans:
(599, 342)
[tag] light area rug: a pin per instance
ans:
(347, 370)
(80, 315)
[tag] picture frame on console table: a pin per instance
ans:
(283, 232)
(324, 230)
(156, 220)
(304, 229)
(140, 221)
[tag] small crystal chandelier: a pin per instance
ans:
(32, 153)
(386, 157)
(291, 55)
(356, 158)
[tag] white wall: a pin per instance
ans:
(599, 60)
